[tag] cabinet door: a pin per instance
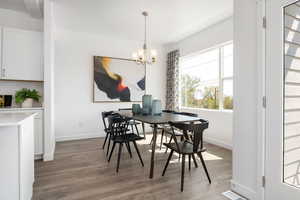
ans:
(38, 131)
(22, 55)
(38, 136)
(26, 157)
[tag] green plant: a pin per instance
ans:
(24, 94)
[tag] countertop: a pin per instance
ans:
(14, 119)
(20, 109)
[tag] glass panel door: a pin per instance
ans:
(292, 94)
(283, 100)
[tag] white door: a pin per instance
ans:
(22, 55)
(283, 100)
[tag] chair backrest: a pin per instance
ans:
(197, 128)
(118, 125)
(168, 111)
(105, 115)
(120, 109)
(187, 114)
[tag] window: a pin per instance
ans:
(206, 79)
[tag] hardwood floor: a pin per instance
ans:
(80, 172)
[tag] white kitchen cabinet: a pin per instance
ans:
(17, 156)
(38, 127)
(22, 54)
(39, 134)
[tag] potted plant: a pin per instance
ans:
(25, 97)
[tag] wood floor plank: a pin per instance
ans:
(80, 172)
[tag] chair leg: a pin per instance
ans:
(190, 156)
(151, 141)
(119, 156)
(204, 166)
(132, 129)
(112, 150)
(109, 139)
(182, 172)
(195, 161)
(138, 152)
(143, 127)
(137, 130)
(169, 143)
(166, 166)
(162, 137)
(105, 141)
(128, 148)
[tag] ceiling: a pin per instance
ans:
(17, 5)
(32, 7)
(169, 20)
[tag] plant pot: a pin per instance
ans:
(27, 103)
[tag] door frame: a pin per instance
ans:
(262, 102)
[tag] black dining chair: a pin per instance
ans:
(104, 116)
(133, 124)
(161, 128)
(167, 130)
(118, 128)
(188, 147)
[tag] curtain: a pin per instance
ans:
(172, 98)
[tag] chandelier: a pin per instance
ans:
(144, 55)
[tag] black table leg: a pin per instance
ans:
(153, 150)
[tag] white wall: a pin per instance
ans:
(246, 77)
(20, 20)
(76, 116)
(207, 38)
(220, 130)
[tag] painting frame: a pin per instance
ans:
(114, 101)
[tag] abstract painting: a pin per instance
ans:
(118, 79)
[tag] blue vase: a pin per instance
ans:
(147, 104)
(156, 107)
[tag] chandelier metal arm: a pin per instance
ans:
(145, 56)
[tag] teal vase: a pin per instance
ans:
(156, 107)
(136, 109)
(147, 104)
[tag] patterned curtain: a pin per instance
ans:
(172, 98)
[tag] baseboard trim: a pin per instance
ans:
(49, 156)
(243, 190)
(218, 143)
(78, 137)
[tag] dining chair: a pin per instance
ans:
(161, 128)
(167, 130)
(105, 116)
(188, 147)
(133, 124)
(118, 128)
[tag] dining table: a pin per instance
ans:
(156, 120)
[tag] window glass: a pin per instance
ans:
(228, 94)
(200, 82)
(228, 61)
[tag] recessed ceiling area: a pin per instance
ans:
(17, 5)
(32, 7)
(169, 20)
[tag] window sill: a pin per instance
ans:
(206, 110)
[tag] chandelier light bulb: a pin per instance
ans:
(134, 55)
